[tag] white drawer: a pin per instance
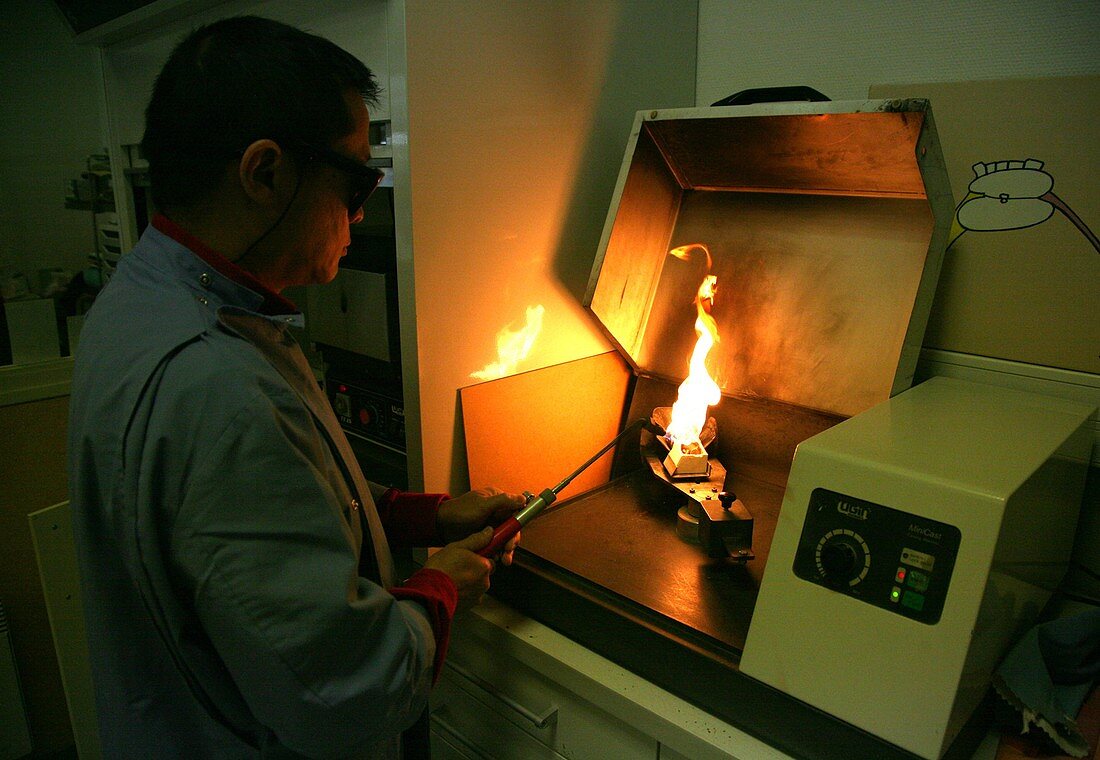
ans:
(499, 705)
(468, 722)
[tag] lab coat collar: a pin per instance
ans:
(218, 271)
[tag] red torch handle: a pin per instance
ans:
(501, 536)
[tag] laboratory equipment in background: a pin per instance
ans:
(354, 325)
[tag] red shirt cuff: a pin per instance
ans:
(435, 590)
(410, 518)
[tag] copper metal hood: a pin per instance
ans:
(827, 223)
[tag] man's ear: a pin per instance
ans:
(263, 169)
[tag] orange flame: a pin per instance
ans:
(698, 392)
(682, 251)
(513, 346)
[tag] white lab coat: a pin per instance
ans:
(219, 517)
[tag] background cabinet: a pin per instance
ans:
(350, 313)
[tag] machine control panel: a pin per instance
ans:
(891, 559)
(369, 414)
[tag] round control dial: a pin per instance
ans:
(843, 557)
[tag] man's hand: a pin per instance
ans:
(471, 512)
(469, 571)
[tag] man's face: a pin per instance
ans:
(318, 226)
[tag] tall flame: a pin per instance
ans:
(513, 346)
(698, 392)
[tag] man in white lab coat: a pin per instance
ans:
(238, 585)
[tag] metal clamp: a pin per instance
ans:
(538, 720)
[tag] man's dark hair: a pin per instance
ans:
(236, 81)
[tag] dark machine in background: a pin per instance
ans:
(354, 325)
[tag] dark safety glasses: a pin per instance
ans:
(364, 179)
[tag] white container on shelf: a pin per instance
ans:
(32, 327)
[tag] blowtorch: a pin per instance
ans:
(534, 504)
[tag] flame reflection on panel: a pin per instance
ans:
(513, 346)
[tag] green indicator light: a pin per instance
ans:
(895, 594)
(913, 601)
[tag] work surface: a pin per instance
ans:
(623, 537)
(608, 570)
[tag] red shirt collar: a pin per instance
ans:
(273, 302)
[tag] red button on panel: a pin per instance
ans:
(900, 575)
(364, 416)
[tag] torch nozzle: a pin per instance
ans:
(654, 428)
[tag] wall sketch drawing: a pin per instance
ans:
(1012, 195)
(1019, 283)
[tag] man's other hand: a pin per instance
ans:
(473, 511)
(469, 570)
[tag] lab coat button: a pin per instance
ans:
(354, 505)
(202, 300)
(205, 279)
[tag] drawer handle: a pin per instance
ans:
(538, 720)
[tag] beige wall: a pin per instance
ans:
(844, 46)
(518, 115)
